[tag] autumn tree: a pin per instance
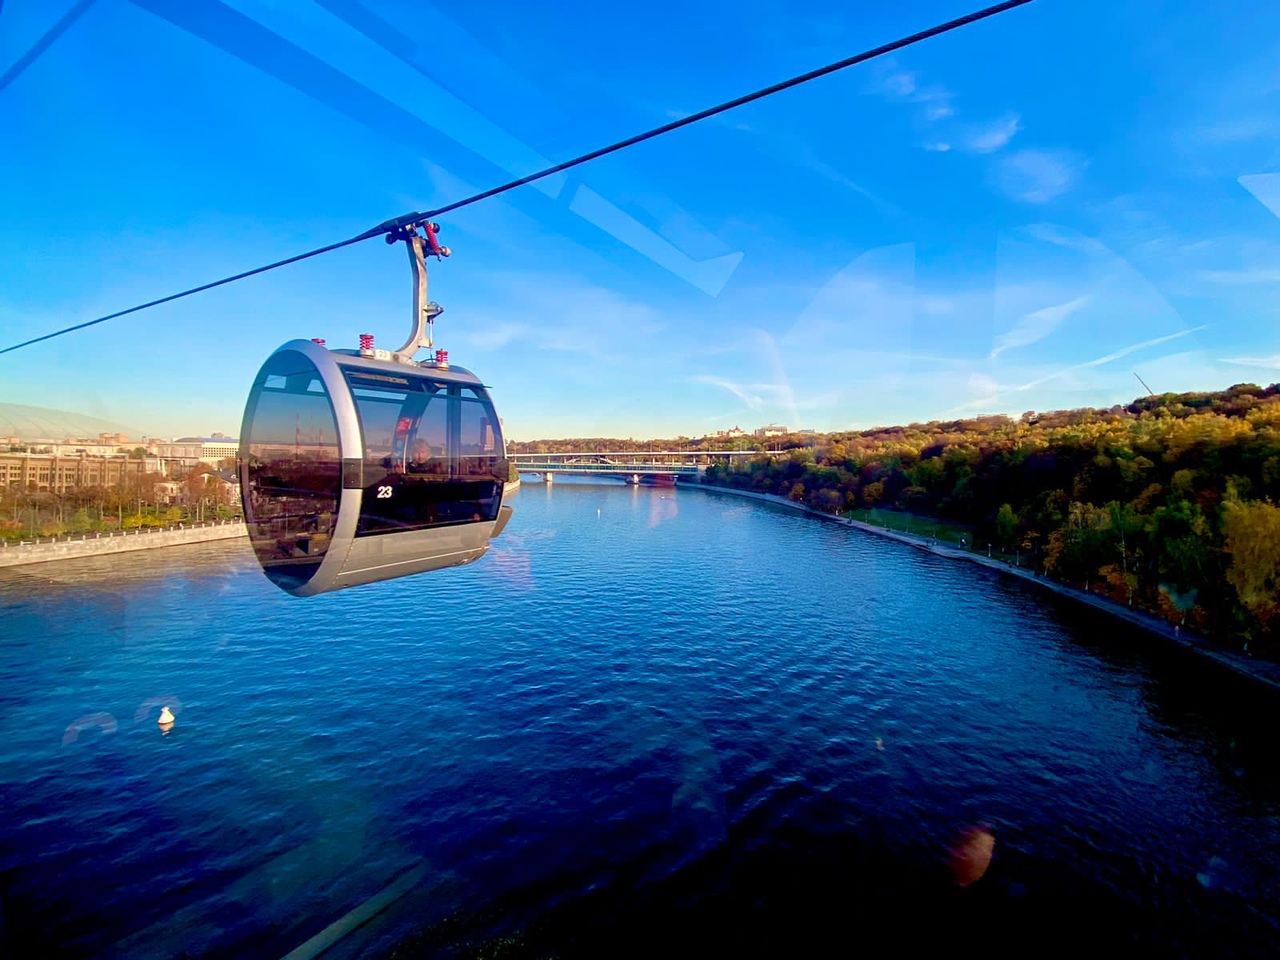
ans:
(1253, 543)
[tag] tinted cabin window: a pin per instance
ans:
(292, 470)
(431, 452)
(479, 441)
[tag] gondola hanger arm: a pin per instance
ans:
(419, 247)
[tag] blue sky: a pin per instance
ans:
(1018, 215)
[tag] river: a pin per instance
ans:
(648, 721)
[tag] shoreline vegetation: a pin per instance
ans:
(1169, 505)
(109, 539)
(1264, 672)
(1166, 506)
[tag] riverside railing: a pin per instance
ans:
(107, 534)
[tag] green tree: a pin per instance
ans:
(1006, 525)
(1253, 542)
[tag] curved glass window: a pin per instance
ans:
(291, 470)
(432, 453)
(479, 438)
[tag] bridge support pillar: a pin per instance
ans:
(546, 476)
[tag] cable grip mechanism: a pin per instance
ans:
(419, 247)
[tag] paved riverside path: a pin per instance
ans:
(1264, 672)
(120, 541)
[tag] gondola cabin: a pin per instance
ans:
(356, 468)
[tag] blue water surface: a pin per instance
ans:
(648, 720)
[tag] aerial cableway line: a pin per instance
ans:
(393, 227)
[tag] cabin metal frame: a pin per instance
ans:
(307, 550)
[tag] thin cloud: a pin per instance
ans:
(1035, 326)
(810, 160)
(1269, 363)
(758, 396)
(742, 391)
(1062, 237)
(1038, 176)
(938, 99)
(991, 393)
(990, 137)
(795, 150)
(900, 84)
(904, 85)
(1112, 357)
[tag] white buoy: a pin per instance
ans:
(166, 717)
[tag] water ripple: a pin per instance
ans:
(637, 714)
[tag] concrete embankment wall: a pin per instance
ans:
(143, 538)
(93, 545)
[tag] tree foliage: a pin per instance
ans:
(1171, 503)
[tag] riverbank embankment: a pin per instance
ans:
(1260, 671)
(120, 541)
(75, 546)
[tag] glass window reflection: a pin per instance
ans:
(292, 470)
(433, 453)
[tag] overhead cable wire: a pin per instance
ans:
(390, 226)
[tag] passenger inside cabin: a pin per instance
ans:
(419, 457)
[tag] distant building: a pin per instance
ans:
(188, 451)
(212, 486)
(218, 447)
(227, 480)
(57, 474)
(179, 453)
(167, 491)
(74, 448)
(772, 430)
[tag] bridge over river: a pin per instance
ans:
(650, 466)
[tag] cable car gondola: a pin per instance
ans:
(364, 465)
